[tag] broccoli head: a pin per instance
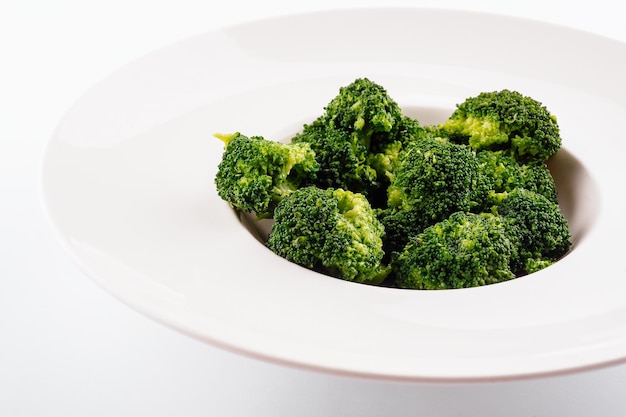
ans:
(255, 173)
(400, 226)
(342, 160)
(505, 173)
(505, 119)
(464, 250)
(360, 121)
(385, 157)
(436, 178)
(432, 179)
(333, 231)
(540, 230)
(365, 109)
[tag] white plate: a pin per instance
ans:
(127, 182)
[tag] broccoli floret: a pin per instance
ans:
(537, 177)
(436, 178)
(342, 161)
(365, 109)
(360, 121)
(505, 119)
(541, 231)
(432, 179)
(333, 231)
(385, 159)
(255, 173)
(400, 226)
(536, 264)
(505, 174)
(410, 129)
(464, 250)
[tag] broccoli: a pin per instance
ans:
(400, 226)
(538, 227)
(369, 195)
(386, 157)
(366, 110)
(360, 121)
(432, 178)
(333, 231)
(464, 250)
(342, 161)
(255, 173)
(436, 178)
(505, 119)
(385, 162)
(504, 173)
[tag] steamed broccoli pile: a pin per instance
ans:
(367, 194)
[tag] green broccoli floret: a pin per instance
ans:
(431, 179)
(464, 250)
(386, 157)
(436, 178)
(540, 230)
(360, 121)
(505, 119)
(342, 160)
(255, 173)
(365, 109)
(505, 174)
(333, 231)
(400, 226)
(537, 177)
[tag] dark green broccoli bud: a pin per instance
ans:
(342, 160)
(400, 226)
(255, 173)
(364, 109)
(505, 120)
(505, 174)
(333, 231)
(404, 131)
(464, 250)
(538, 178)
(360, 121)
(540, 229)
(436, 178)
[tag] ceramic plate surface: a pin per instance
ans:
(127, 182)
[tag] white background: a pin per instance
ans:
(68, 349)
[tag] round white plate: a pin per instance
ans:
(127, 182)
